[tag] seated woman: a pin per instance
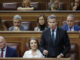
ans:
(33, 52)
(41, 23)
(26, 6)
(2, 26)
(55, 6)
(76, 6)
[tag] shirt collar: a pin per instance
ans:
(4, 49)
(71, 28)
(54, 29)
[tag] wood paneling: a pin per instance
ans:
(23, 37)
(43, 3)
(34, 59)
(32, 15)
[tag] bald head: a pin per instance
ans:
(2, 42)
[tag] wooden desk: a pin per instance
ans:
(34, 59)
(32, 15)
(23, 37)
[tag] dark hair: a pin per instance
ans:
(33, 39)
(45, 19)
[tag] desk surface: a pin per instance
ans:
(35, 59)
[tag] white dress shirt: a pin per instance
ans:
(54, 32)
(71, 29)
(28, 54)
(4, 52)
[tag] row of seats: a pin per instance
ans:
(73, 53)
(14, 5)
(29, 25)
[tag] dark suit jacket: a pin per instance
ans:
(21, 28)
(76, 27)
(62, 44)
(11, 52)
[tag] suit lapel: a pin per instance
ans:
(57, 36)
(56, 39)
(49, 37)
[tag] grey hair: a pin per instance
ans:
(17, 17)
(2, 37)
(52, 17)
(70, 15)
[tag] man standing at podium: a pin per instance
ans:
(54, 41)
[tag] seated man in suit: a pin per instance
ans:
(6, 51)
(17, 24)
(54, 41)
(70, 26)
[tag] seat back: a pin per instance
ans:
(29, 25)
(74, 52)
(15, 46)
(9, 6)
(77, 22)
(35, 5)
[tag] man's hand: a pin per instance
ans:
(45, 52)
(16, 28)
(59, 56)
